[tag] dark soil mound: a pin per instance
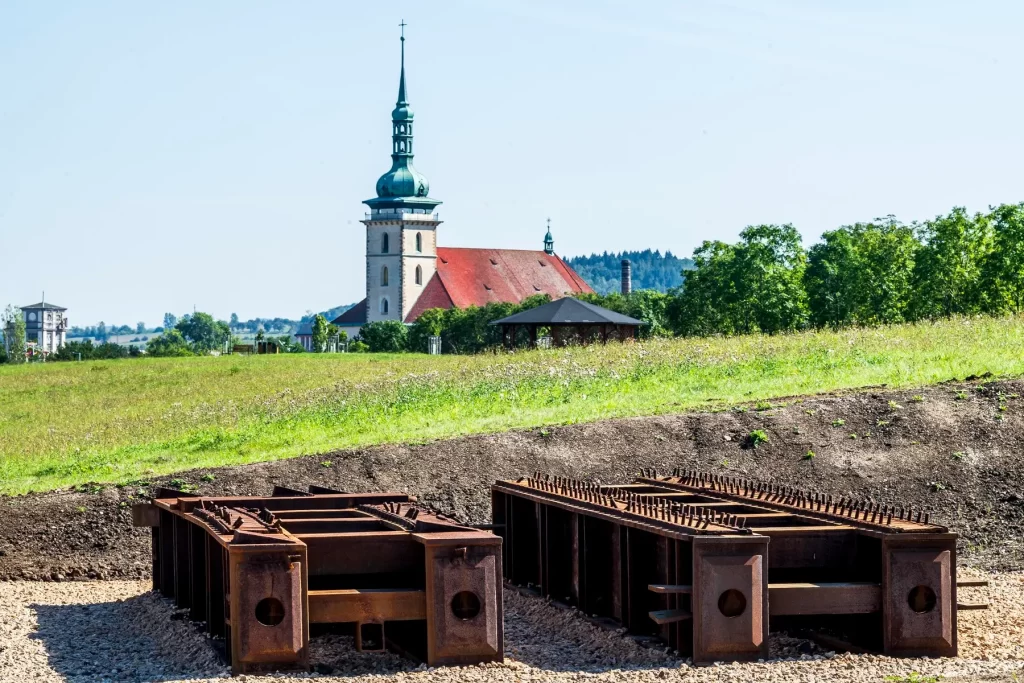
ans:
(954, 450)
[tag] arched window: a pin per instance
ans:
(384, 243)
(419, 242)
(383, 304)
(419, 274)
(384, 276)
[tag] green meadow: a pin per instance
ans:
(64, 424)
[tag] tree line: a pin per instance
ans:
(650, 270)
(874, 273)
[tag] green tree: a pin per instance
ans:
(171, 343)
(234, 320)
(321, 333)
(831, 279)
(14, 334)
(140, 328)
(1003, 271)
(170, 320)
(706, 303)
(947, 271)
(384, 336)
(861, 274)
(755, 285)
(768, 279)
(431, 323)
(101, 332)
(203, 332)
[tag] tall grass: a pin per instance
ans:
(68, 423)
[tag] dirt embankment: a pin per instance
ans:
(955, 450)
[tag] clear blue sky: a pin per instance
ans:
(156, 156)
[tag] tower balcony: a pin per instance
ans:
(402, 214)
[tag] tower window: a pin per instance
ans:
(383, 304)
(384, 276)
(419, 241)
(384, 243)
(419, 274)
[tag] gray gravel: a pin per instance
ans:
(118, 631)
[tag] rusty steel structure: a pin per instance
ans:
(705, 562)
(260, 570)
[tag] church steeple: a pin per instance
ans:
(549, 241)
(403, 185)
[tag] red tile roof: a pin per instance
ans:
(476, 277)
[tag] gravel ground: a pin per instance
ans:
(118, 631)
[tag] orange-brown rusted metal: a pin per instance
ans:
(705, 562)
(259, 570)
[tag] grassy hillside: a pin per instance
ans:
(69, 423)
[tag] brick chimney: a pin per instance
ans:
(627, 276)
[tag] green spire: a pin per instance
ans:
(549, 241)
(401, 79)
(402, 185)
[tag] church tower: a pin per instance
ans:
(401, 228)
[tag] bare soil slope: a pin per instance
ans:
(954, 450)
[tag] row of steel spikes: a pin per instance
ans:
(393, 512)
(219, 517)
(849, 508)
(649, 506)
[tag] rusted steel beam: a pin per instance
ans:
(367, 605)
(732, 553)
(258, 578)
(787, 599)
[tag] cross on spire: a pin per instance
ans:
(402, 26)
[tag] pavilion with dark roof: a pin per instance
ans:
(570, 320)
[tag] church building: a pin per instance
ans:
(408, 273)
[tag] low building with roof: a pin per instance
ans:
(407, 272)
(570, 321)
(46, 326)
(304, 335)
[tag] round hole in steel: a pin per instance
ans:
(465, 605)
(921, 599)
(269, 611)
(731, 603)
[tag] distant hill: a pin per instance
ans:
(651, 270)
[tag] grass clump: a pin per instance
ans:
(64, 424)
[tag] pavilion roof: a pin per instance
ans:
(568, 311)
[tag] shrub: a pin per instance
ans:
(170, 343)
(384, 336)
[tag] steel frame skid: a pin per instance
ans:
(259, 570)
(705, 562)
